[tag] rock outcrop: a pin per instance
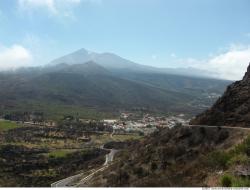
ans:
(232, 109)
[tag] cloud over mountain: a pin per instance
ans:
(14, 57)
(230, 64)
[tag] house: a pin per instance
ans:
(84, 139)
(109, 121)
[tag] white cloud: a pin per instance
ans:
(36, 4)
(14, 57)
(231, 64)
(54, 7)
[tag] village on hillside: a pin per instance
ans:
(128, 122)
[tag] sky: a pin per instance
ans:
(212, 35)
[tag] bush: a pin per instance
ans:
(243, 147)
(241, 182)
(239, 159)
(154, 166)
(140, 172)
(178, 125)
(218, 159)
(226, 181)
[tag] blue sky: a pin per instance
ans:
(212, 35)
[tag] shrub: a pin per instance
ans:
(247, 141)
(241, 182)
(243, 147)
(226, 181)
(218, 159)
(140, 172)
(178, 125)
(239, 159)
(239, 149)
(154, 166)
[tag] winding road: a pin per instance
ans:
(69, 181)
(223, 127)
(109, 159)
(65, 182)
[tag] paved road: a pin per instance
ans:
(223, 127)
(111, 135)
(70, 180)
(65, 182)
(110, 157)
(83, 182)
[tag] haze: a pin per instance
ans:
(208, 35)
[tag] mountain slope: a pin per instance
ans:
(118, 64)
(109, 84)
(177, 157)
(184, 84)
(233, 108)
(107, 60)
(89, 85)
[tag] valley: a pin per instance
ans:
(34, 155)
(125, 94)
(66, 124)
(38, 153)
(95, 88)
(90, 153)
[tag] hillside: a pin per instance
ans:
(232, 109)
(204, 89)
(177, 157)
(75, 84)
(88, 85)
(116, 63)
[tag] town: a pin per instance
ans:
(127, 122)
(146, 124)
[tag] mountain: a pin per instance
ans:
(232, 109)
(85, 85)
(118, 64)
(75, 83)
(88, 68)
(106, 60)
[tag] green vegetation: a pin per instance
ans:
(104, 138)
(242, 148)
(41, 155)
(60, 153)
(226, 181)
(218, 159)
(239, 159)
(56, 111)
(233, 181)
(62, 92)
(126, 137)
(40, 170)
(228, 161)
(7, 125)
(238, 155)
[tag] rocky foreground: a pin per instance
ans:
(182, 156)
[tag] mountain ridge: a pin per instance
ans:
(91, 85)
(117, 63)
(233, 108)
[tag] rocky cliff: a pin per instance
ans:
(232, 109)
